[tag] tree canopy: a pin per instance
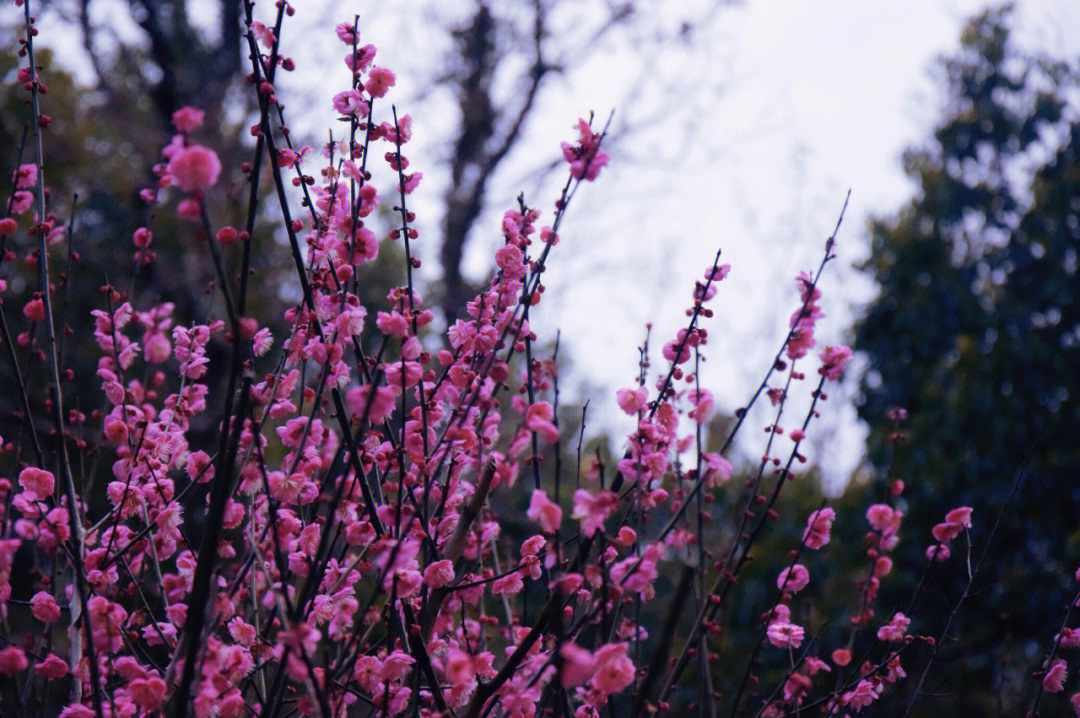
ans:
(975, 330)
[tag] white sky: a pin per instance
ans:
(793, 102)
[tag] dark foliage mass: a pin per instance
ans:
(976, 332)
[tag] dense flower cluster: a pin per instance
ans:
(351, 520)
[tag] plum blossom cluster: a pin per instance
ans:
(783, 633)
(1055, 670)
(348, 544)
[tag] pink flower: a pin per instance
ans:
(261, 342)
(841, 657)
(263, 34)
(396, 666)
(614, 670)
(26, 176)
(1070, 637)
(227, 235)
(34, 310)
(538, 418)
(188, 119)
(198, 467)
(955, 522)
(592, 510)
(718, 469)
(510, 584)
(959, 517)
(346, 33)
(532, 545)
(170, 518)
(392, 323)
(194, 168)
(632, 401)
(584, 158)
(402, 133)
(937, 552)
(38, 482)
(578, 665)
(861, 697)
(818, 525)
(408, 582)
(1054, 680)
(802, 341)
(157, 348)
(458, 668)
(567, 584)
(785, 635)
(718, 273)
(148, 693)
(884, 518)
(12, 661)
(362, 59)
(52, 668)
(382, 404)
(438, 574)
(189, 209)
(231, 705)
(544, 511)
(379, 81)
(703, 405)
(399, 701)
(796, 688)
(895, 629)
(350, 102)
(833, 361)
(44, 607)
(590, 169)
(511, 261)
(635, 574)
(22, 202)
(946, 532)
(242, 632)
(882, 566)
(793, 579)
(76, 710)
(411, 182)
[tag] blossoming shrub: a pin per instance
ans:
(340, 549)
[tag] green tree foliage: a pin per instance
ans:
(975, 330)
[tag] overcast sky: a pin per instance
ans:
(795, 103)
(789, 103)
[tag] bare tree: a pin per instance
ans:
(178, 62)
(489, 129)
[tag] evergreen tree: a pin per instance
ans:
(975, 330)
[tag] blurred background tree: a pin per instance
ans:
(538, 41)
(504, 58)
(975, 330)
